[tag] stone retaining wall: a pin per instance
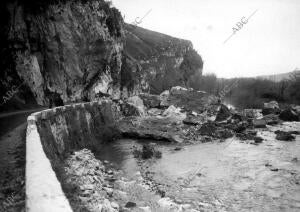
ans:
(51, 135)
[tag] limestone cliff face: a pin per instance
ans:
(82, 49)
(72, 48)
(163, 61)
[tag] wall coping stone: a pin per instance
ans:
(43, 189)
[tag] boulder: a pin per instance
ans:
(130, 205)
(296, 109)
(267, 111)
(258, 139)
(284, 136)
(177, 90)
(223, 113)
(151, 127)
(289, 115)
(174, 112)
(154, 112)
(259, 123)
(271, 119)
(150, 100)
(271, 108)
(189, 99)
(271, 105)
(136, 100)
(252, 113)
(134, 106)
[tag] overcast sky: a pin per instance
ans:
(269, 43)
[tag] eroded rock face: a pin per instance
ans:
(76, 49)
(166, 61)
(70, 48)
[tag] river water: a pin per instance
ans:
(228, 176)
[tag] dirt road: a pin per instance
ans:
(12, 157)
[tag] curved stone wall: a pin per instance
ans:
(51, 135)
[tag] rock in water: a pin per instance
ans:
(271, 119)
(148, 151)
(296, 109)
(271, 108)
(289, 115)
(258, 139)
(130, 205)
(259, 123)
(284, 136)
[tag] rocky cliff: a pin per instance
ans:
(82, 49)
(165, 61)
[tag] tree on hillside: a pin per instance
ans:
(293, 90)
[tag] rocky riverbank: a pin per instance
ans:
(93, 185)
(183, 120)
(188, 116)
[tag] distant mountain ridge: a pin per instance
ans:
(280, 77)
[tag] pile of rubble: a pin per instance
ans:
(185, 115)
(86, 183)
